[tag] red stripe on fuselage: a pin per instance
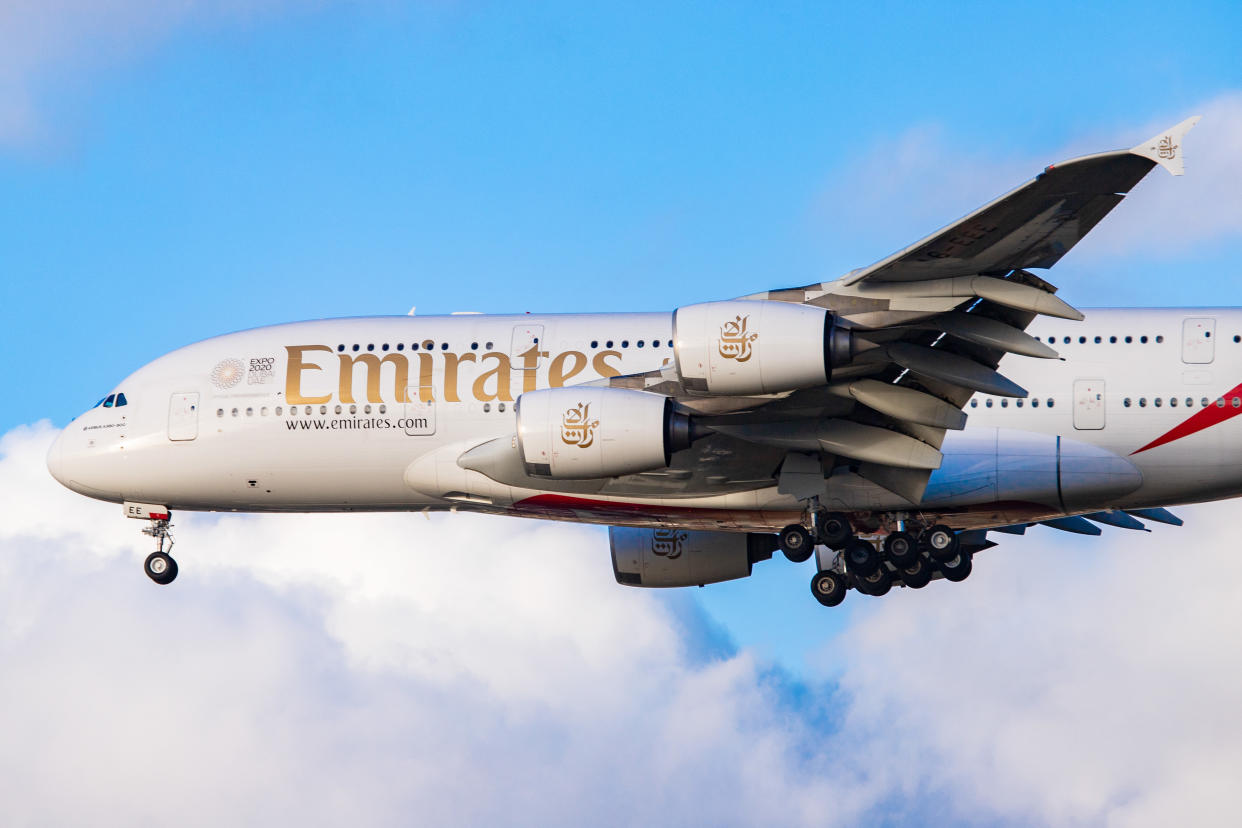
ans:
(1206, 418)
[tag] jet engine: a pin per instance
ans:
(747, 347)
(580, 433)
(677, 558)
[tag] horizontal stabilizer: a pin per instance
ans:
(953, 369)
(1118, 518)
(1165, 148)
(1077, 525)
(1158, 515)
(1015, 529)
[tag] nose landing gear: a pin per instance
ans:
(159, 565)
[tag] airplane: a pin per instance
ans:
(883, 423)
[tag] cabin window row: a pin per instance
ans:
(1143, 340)
(279, 411)
(1113, 340)
(430, 345)
(1050, 402)
(1172, 402)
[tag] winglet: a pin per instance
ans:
(1165, 148)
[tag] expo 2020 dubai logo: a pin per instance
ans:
(227, 373)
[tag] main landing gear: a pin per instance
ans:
(909, 556)
(160, 566)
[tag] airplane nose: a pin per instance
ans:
(56, 459)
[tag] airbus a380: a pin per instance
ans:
(883, 423)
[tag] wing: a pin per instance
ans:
(931, 324)
(1035, 224)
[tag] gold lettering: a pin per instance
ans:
(501, 372)
(602, 367)
(293, 374)
(451, 361)
(556, 371)
(374, 366)
(530, 364)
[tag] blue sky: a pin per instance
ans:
(168, 174)
(236, 169)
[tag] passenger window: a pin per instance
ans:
(1051, 402)
(1034, 403)
(988, 403)
(1142, 402)
(1004, 403)
(1126, 402)
(120, 400)
(1157, 402)
(110, 400)
(974, 403)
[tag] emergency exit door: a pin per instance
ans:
(1198, 340)
(526, 339)
(183, 416)
(1088, 404)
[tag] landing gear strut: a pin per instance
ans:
(160, 566)
(909, 556)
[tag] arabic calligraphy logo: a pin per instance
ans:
(735, 341)
(227, 373)
(667, 543)
(577, 427)
(1166, 148)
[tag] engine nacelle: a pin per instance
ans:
(757, 347)
(580, 433)
(677, 558)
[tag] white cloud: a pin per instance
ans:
(903, 189)
(385, 669)
(46, 40)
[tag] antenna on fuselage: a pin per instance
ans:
(412, 309)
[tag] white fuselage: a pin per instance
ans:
(372, 413)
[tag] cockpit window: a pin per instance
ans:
(101, 402)
(120, 400)
(108, 403)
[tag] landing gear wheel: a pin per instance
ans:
(835, 530)
(795, 541)
(877, 583)
(829, 588)
(957, 568)
(861, 558)
(917, 575)
(941, 542)
(901, 549)
(160, 567)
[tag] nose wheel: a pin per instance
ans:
(159, 565)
